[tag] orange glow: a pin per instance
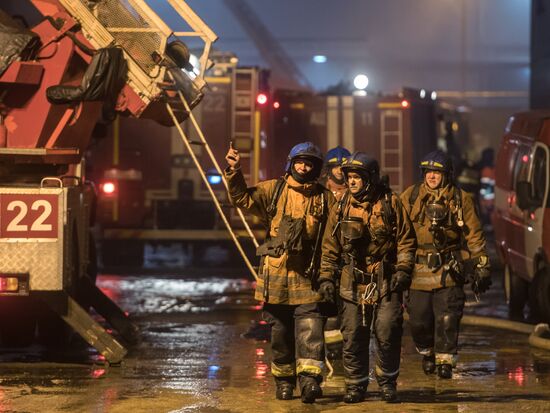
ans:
(261, 370)
(405, 103)
(276, 105)
(108, 188)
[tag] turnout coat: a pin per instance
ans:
(282, 278)
(466, 239)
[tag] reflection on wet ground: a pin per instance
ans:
(193, 358)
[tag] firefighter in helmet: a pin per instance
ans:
(294, 209)
(369, 230)
(333, 177)
(451, 251)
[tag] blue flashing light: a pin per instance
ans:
(319, 58)
(214, 179)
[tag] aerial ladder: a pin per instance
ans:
(86, 61)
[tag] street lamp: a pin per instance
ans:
(361, 82)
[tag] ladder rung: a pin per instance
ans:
(198, 143)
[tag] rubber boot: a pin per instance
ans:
(355, 393)
(445, 371)
(389, 393)
(310, 388)
(285, 387)
(428, 364)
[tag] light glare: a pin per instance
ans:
(361, 82)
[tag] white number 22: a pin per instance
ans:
(38, 224)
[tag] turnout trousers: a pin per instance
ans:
(297, 339)
(388, 330)
(435, 320)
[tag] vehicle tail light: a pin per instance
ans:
(9, 284)
(108, 188)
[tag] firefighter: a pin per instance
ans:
(294, 209)
(333, 177)
(451, 249)
(370, 231)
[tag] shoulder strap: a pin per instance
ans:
(272, 208)
(414, 194)
(389, 215)
(458, 197)
(342, 203)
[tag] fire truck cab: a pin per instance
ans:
(522, 216)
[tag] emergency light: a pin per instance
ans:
(108, 188)
(261, 99)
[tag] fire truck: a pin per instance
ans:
(397, 129)
(154, 210)
(83, 62)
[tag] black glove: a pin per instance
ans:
(327, 290)
(400, 281)
(482, 280)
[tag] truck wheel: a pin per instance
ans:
(516, 293)
(541, 285)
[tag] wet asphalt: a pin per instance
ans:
(194, 357)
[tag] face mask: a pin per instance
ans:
(436, 212)
(351, 228)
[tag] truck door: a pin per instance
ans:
(534, 217)
(515, 218)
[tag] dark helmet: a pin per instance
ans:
(308, 151)
(335, 156)
(437, 161)
(364, 165)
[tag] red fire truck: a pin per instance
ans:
(83, 61)
(152, 200)
(395, 129)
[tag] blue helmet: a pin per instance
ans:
(437, 161)
(335, 156)
(308, 151)
(363, 164)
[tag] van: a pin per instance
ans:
(521, 217)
